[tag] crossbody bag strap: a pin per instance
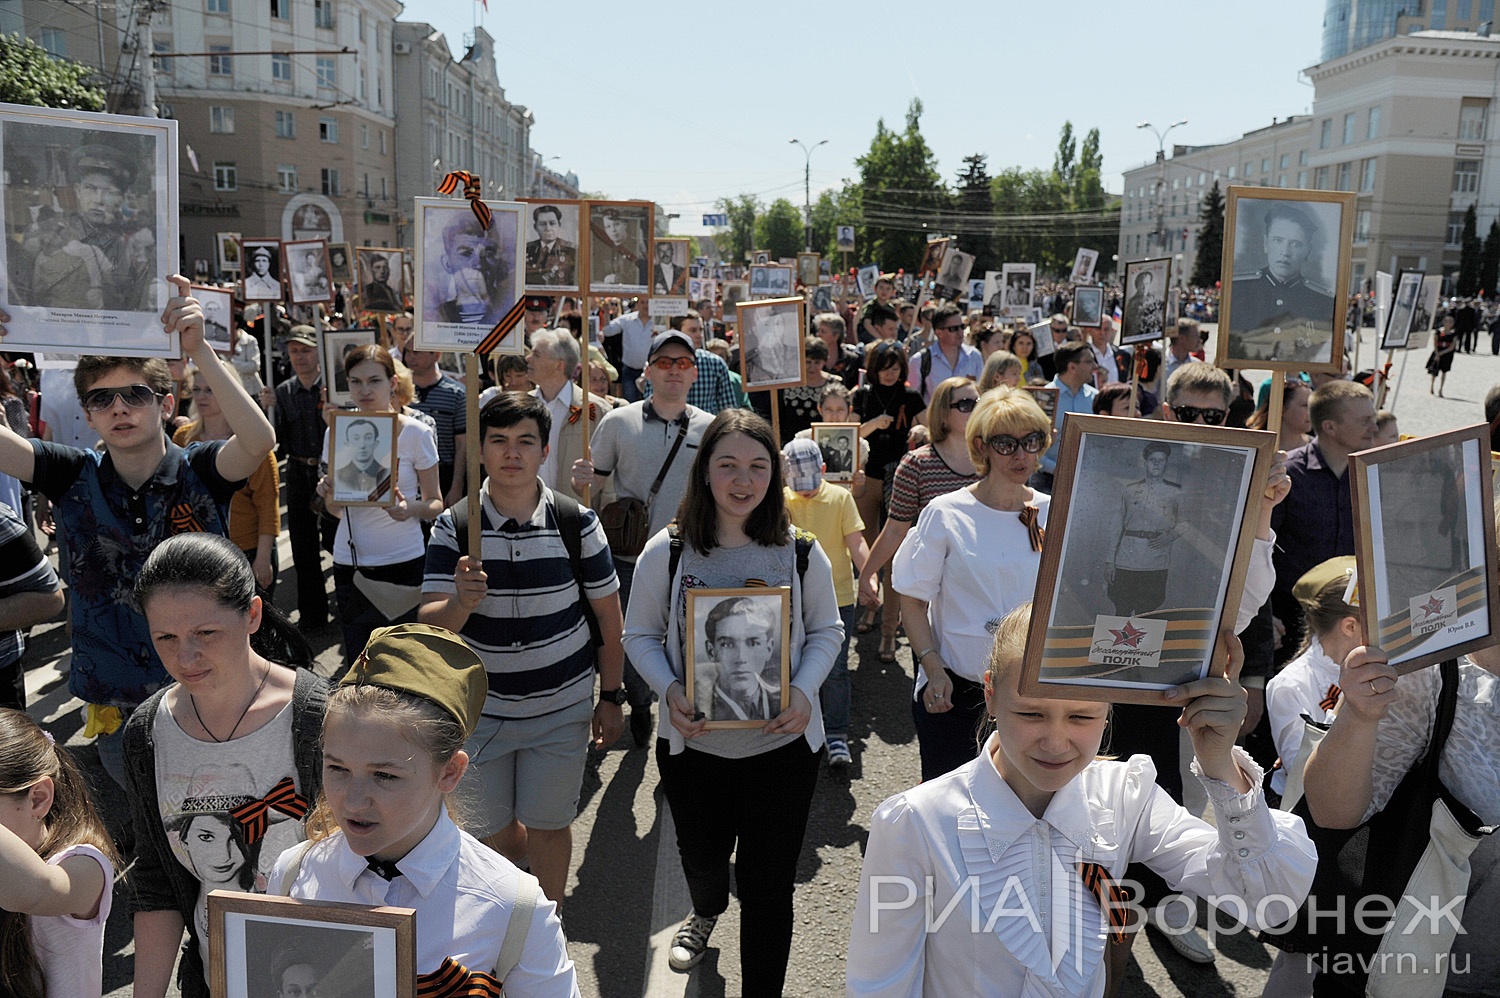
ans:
(528, 890)
(661, 476)
(1443, 724)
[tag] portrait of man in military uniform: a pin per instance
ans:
(552, 249)
(1281, 305)
(263, 279)
(618, 237)
(1150, 519)
(382, 275)
(362, 456)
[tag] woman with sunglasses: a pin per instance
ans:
(930, 471)
(971, 559)
(886, 410)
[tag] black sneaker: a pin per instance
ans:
(640, 725)
(691, 942)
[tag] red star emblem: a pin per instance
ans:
(1128, 636)
(1432, 608)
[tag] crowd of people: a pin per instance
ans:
(631, 580)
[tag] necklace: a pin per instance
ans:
(253, 697)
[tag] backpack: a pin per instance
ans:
(570, 525)
(803, 540)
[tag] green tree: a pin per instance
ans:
(1030, 206)
(832, 209)
(1209, 263)
(902, 194)
(779, 229)
(1489, 272)
(973, 211)
(1067, 148)
(1471, 259)
(736, 242)
(28, 75)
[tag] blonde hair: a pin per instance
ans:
(1006, 410)
(995, 367)
(942, 404)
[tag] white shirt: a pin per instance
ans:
(463, 893)
(69, 949)
(636, 338)
(1302, 687)
(973, 565)
(558, 407)
(1106, 360)
(378, 539)
(965, 840)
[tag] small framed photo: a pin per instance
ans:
(807, 269)
(771, 333)
(1425, 316)
(976, 294)
(1400, 319)
(468, 277)
(1046, 398)
(218, 317)
(839, 443)
(340, 263)
(382, 279)
(1148, 541)
(734, 292)
(759, 258)
(1083, 266)
(1173, 312)
(932, 257)
(1088, 306)
(1020, 289)
(1286, 272)
(994, 292)
(227, 251)
(822, 299)
(362, 456)
(1426, 547)
(953, 276)
(739, 659)
(669, 268)
(262, 275)
(846, 238)
(1144, 318)
(307, 266)
(261, 944)
(338, 344)
(552, 246)
(771, 281)
(620, 234)
(865, 278)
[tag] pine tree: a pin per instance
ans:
(1209, 263)
(1471, 259)
(1489, 271)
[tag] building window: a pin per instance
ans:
(1346, 177)
(286, 176)
(330, 182)
(1471, 121)
(286, 125)
(328, 76)
(1362, 225)
(1302, 158)
(1302, 179)
(383, 194)
(1265, 164)
(1176, 182)
(1249, 168)
(1281, 180)
(1374, 127)
(1231, 173)
(163, 65)
(1367, 175)
(281, 9)
(1284, 162)
(364, 185)
(225, 177)
(1325, 134)
(382, 142)
(1320, 178)
(221, 120)
(1202, 179)
(217, 6)
(219, 64)
(328, 130)
(281, 67)
(1455, 228)
(323, 13)
(1465, 176)
(364, 136)
(55, 41)
(1349, 128)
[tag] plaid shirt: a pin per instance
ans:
(713, 392)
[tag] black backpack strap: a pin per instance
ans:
(460, 511)
(674, 550)
(926, 369)
(570, 525)
(803, 540)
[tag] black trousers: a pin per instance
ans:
(1137, 592)
(755, 808)
(305, 527)
(950, 739)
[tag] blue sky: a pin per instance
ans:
(685, 104)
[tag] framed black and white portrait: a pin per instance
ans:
(759, 258)
(932, 257)
(262, 279)
(1148, 541)
(340, 263)
(553, 255)
(265, 946)
(362, 457)
(845, 238)
(620, 234)
(382, 279)
(218, 317)
(336, 345)
(227, 252)
(734, 292)
(1088, 306)
(839, 443)
(771, 335)
(953, 275)
(975, 300)
(1144, 318)
(1285, 280)
(1400, 320)
(1084, 262)
(308, 271)
(468, 277)
(1425, 551)
(90, 211)
(865, 278)
(770, 281)
(807, 269)
(1019, 280)
(669, 267)
(738, 664)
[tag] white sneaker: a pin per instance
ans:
(1178, 923)
(838, 753)
(691, 942)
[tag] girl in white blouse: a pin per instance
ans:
(986, 881)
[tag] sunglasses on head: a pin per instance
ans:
(963, 405)
(1193, 413)
(1005, 446)
(135, 396)
(667, 363)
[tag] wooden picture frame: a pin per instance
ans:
(333, 346)
(341, 263)
(1087, 308)
(1045, 397)
(1285, 314)
(1426, 544)
(1117, 615)
(357, 443)
(732, 294)
(1406, 299)
(674, 285)
(838, 467)
(308, 274)
(1018, 284)
(865, 278)
(771, 334)
(1143, 319)
(256, 285)
(807, 269)
(740, 627)
(218, 316)
(557, 267)
(932, 257)
(259, 943)
(227, 252)
(382, 284)
(619, 254)
(468, 278)
(771, 281)
(1084, 261)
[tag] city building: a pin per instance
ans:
(1350, 25)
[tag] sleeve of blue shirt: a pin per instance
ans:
(202, 456)
(57, 468)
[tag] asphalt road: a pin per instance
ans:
(625, 892)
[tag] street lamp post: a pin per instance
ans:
(807, 188)
(1161, 177)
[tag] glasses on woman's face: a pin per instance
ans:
(681, 363)
(1005, 446)
(1193, 413)
(963, 405)
(135, 396)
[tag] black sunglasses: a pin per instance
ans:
(963, 405)
(1005, 446)
(1193, 413)
(135, 396)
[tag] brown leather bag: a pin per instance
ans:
(627, 522)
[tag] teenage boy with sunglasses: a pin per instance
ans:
(116, 504)
(948, 356)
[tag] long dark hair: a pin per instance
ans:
(204, 562)
(698, 516)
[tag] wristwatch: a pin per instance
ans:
(616, 697)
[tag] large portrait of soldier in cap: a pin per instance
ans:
(620, 234)
(90, 212)
(262, 280)
(1284, 284)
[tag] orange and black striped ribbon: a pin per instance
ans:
(1113, 899)
(1034, 531)
(283, 797)
(502, 328)
(575, 413)
(470, 182)
(380, 490)
(454, 980)
(1331, 698)
(184, 520)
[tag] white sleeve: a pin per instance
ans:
(887, 941)
(647, 618)
(544, 971)
(917, 569)
(1260, 578)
